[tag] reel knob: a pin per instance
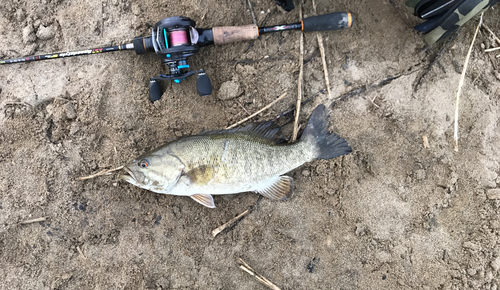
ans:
(155, 91)
(203, 84)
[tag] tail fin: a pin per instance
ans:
(328, 145)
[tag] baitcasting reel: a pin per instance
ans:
(174, 39)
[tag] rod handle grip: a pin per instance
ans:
(227, 34)
(331, 21)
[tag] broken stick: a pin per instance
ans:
(104, 172)
(245, 267)
(229, 223)
(299, 86)
(461, 83)
(491, 32)
(258, 112)
(323, 58)
(81, 253)
(492, 49)
(40, 219)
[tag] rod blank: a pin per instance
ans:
(68, 54)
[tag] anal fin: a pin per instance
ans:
(279, 189)
(204, 199)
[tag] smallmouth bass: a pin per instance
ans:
(234, 161)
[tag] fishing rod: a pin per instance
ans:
(174, 39)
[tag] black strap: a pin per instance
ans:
(429, 8)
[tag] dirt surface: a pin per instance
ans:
(393, 214)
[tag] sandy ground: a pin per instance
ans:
(393, 214)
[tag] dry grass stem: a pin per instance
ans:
(81, 253)
(323, 58)
(373, 102)
(229, 223)
(491, 49)
(461, 83)
(251, 11)
(245, 267)
(18, 103)
(104, 172)
(426, 141)
(299, 88)
(491, 32)
(40, 219)
(248, 113)
(258, 112)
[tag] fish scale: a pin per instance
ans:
(249, 161)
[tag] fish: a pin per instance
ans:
(247, 159)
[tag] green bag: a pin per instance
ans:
(445, 16)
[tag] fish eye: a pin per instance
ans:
(143, 163)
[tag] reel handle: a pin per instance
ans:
(227, 34)
(155, 91)
(331, 21)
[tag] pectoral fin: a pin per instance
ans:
(205, 199)
(279, 189)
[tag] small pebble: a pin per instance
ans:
(136, 9)
(495, 264)
(471, 271)
(46, 33)
(20, 14)
(497, 75)
(472, 246)
(75, 128)
(28, 34)
(70, 111)
(229, 90)
(493, 193)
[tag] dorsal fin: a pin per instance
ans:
(267, 130)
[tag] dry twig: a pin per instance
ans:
(251, 10)
(491, 49)
(426, 141)
(104, 172)
(373, 102)
(461, 83)
(323, 58)
(491, 32)
(81, 253)
(40, 219)
(245, 267)
(299, 86)
(248, 113)
(229, 223)
(258, 112)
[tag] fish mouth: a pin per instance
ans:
(129, 177)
